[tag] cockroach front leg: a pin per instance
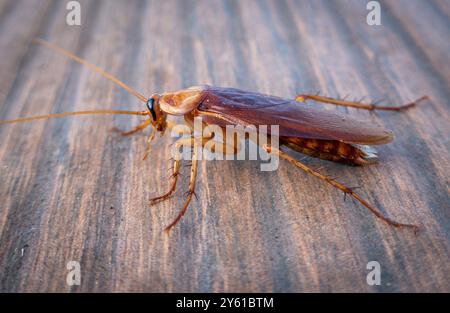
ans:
(338, 185)
(358, 105)
(169, 125)
(149, 141)
(138, 128)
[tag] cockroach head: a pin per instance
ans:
(157, 116)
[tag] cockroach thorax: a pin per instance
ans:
(183, 101)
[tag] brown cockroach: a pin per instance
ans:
(307, 129)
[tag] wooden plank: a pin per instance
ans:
(72, 190)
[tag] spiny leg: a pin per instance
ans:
(355, 104)
(167, 195)
(138, 128)
(216, 147)
(338, 185)
(191, 190)
(189, 142)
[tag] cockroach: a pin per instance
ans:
(307, 129)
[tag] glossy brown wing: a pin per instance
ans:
(295, 119)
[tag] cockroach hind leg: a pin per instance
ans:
(357, 104)
(340, 186)
(403, 107)
(351, 188)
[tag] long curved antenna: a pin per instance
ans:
(27, 119)
(92, 67)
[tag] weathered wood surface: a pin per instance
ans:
(71, 189)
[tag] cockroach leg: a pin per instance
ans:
(167, 195)
(169, 125)
(149, 141)
(138, 128)
(187, 142)
(191, 190)
(340, 186)
(220, 147)
(358, 105)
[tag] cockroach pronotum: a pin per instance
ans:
(307, 129)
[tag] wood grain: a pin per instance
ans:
(73, 190)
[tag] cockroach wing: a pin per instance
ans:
(224, 106)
